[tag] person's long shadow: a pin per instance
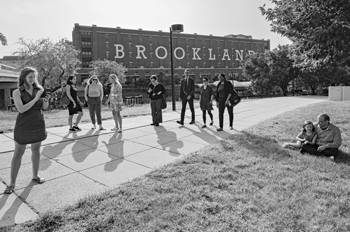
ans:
(53, 150)
(93, 143)
(173, 145)
(9, 216)
(207, 137)
(115, 148)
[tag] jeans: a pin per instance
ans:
(312, 149)
(94, 104)
(156, 111)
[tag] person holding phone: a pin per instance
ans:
(29, 99)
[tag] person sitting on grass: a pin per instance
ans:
(328, 139)
(307, 135)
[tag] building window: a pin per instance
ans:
(151, 54)
(188, 64)
(107, 54)
(130, 65)
(106, 36)
(151, 64)
(204, 65)
(130, 54)
(150, 46)
(85, 34)
(107, 44)
(129, 45)
(187, 48)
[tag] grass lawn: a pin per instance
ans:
(247, 182)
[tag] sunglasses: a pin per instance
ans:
(94, 79)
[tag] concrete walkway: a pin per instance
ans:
(91, 161)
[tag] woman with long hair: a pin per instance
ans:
(156, 91)
(75, 105)
(30, 124)
(115, 100)
(93, 96)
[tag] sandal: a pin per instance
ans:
(39, 180)
(9, 189)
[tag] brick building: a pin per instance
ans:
(147, 52)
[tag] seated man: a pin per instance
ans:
(328, 140)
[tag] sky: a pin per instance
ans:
(36, 19)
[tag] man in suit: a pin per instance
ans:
(187, 95)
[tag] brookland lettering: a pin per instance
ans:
(179, 53)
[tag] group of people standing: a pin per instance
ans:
(223, 94)
(93, 94)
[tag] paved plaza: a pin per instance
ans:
(91, 161)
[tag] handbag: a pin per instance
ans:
(163, 105)
(235, 99)
(64, 101)
(86, 105)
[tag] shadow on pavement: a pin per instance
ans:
(115, 140)
(173, 145)
(8, 217)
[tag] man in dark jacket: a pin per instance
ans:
(187, 95)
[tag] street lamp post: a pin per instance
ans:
(177, 28)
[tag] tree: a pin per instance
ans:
(143, 82)
(256, 69)
(319, 29)
(3, 39)
(281, 67)
(54, 61)
(103, 68)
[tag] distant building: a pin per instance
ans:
(8, 83)
(147, 52)
(9, 60)
(239, 36)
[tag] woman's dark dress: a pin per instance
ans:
(30, 125)
(206, 98)
(73, 93)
